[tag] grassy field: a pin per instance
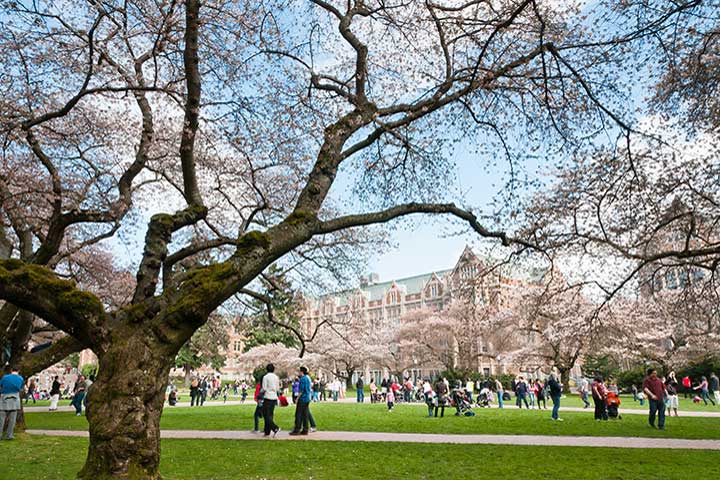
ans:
(45, 458)
(409, 419)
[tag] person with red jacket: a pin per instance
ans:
(258, 407)
(688, 386)
(655, 389)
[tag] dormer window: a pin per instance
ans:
(393, 297)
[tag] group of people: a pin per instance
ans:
(202, 387)
(269, 391)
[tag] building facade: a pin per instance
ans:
(382, 305)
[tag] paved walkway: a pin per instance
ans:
(623, 411)
(544, 440)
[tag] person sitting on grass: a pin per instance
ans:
(172, 397)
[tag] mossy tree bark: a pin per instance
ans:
(124, 408)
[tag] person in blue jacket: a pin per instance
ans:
(302, 409)
(10, 386)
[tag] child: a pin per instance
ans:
(390, 399)
(430, 402)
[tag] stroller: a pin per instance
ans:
(461, 403)
(613, 402)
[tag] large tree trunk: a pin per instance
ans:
(565, 379)
(188, 374)
(124, 408)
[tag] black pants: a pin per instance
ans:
(194, 397)
(302, 417)
(268, 413)
(442, 410)
(541, 398)
(600, 409)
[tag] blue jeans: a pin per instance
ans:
(77, 402)
(500, 399)
(556, 406)
(335, 396)
(258, 415)
(706, 396)
(360, 396)
(520, 399)
(657, 407)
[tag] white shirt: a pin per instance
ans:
(271, 386)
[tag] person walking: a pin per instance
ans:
(521, 392)
(714, 387)
(599, 392)
(360, 389)
(584, 387)
(54, 394)
(429, 397)
(79, 395)
(302, 407)
(540, 394)
(555, 394)
(390, 398)
(687, 386)
(270, 389)
(704, 391)
(295, 390)
(204, 386)
(671, 386)
(194, 392)
(441, 392)
(10, 386)
(499, 390)
(258, 397)
(531, 392)
(30, 391)
(373, 391)
(654, 388)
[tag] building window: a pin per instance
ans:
(393, 297)
(238, 345)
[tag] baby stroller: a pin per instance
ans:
(613, 402)
(483, 398)
(461, 403)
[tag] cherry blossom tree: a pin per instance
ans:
(671, 328)
(553, 325)
(222, 127)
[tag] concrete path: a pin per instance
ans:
(543, 440)
(623, 411)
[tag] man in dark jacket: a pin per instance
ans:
(360, 386)
(555, 393)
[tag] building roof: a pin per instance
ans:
(415, 284)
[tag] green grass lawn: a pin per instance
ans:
(686, 404)
(42, 458)
(409, 419)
